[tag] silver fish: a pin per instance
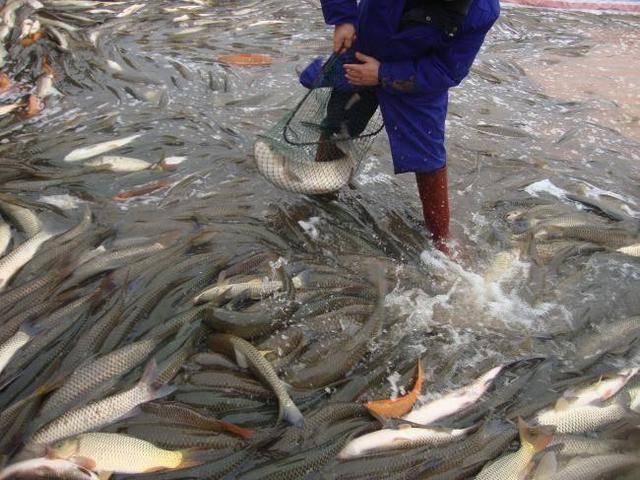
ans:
(303, 177)
(104, 412)
(98, 149)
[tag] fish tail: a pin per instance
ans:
(236, 430)
(291, 414)
(193, 457)
(537, 438)
(547, 467)
(30, 328)
(149, 381)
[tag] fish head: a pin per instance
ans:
(63, 449)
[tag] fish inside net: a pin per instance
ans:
(319, 145)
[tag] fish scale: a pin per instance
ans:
(110, 452)
(168, 436)
(598, 467)
(27, 221)
(103, 412)
(584, 419)
(14, 261)
(89, 377)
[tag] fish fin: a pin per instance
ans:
(242, 432)
(562, 404)
(85, 462)
(30, 328)
(241, 359)
(134, 412)
(404, 426)
(193, 457)
(547, 467)
(292, 415)
(105, 475)
(150, 373)
(384, 421)
(149, 380)
(302, 279)
(537, 437)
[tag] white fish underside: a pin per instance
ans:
(14, 261)
(98, 149)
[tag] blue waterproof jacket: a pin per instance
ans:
(419, 65)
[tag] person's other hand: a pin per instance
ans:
(363, 74)
(343, 37)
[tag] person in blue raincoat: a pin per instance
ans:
(409, 53)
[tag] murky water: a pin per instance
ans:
(530, 121)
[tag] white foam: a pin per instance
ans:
(489, 299)
(396, 390)
(309, 227)
(65, 202)
(545, 186)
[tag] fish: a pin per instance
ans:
(631, 250)
(246, 59)
(14, 261)
(304, 463)
(399, 406)
(104, 412)
(6, 109)
(614, 336)
(216, 468)
(144, 190)
(120, 164)
(5, 82)
(113, 259)
(100, 148)
(9, 348)
(600, 391)
(346, 354)
(590, 468)
(403, 437)
(246, 356)
(515, 466)
(571, 445)
(313, 178)
(177, 436)
(317, 421)
(31, 38)
(94, 376)
(44, 86)
(33, 106)
(255, 289)
(47, 468)
(245, 324)
(453, 402)
(188, 416)
(602, 235)
(113, 452)
(583, 419)
(130, 10)
(24, 219)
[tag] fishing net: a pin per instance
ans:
(319, 145)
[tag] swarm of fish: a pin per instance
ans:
(183, 356)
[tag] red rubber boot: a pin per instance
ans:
(434, 195)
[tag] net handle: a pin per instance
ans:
(331, 61)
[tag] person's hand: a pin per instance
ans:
(363, 74)
(343, 37)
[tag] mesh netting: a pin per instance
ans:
(318, 146)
